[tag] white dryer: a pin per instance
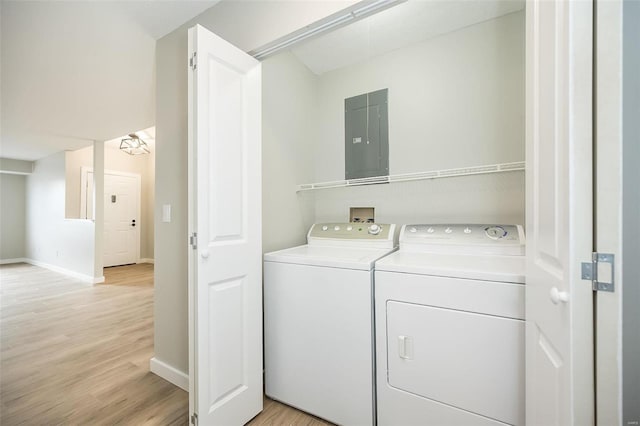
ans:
(450, 330)
(318, 321)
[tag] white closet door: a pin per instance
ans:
(559, 309)
(225, 213)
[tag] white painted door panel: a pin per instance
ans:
(225, 212)
(559, 342)
(121, 219)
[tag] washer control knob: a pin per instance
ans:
(325, 227)
(413, 229)
(495, 232)
(431, 230)
(336, 228)
(374, 229)
(467, 230)
(349, 228)
(448, 230)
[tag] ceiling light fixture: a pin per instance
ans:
(336, 20)
(133, 145)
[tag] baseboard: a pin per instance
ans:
(17, 260)
(81, 277)
(147, 260)
(169, 373)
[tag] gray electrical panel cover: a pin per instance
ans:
(366, 127)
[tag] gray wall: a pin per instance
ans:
(248, 25)
(631, 213)
(10, 165)
(12, 216)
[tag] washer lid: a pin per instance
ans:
(329, 256)
(510, 269)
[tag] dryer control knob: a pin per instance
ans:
(413, 229)
(324, 228)
(374, 229)
(448, 230)
(336, 228)
(467, 230)
(349, 228)
(431, 230)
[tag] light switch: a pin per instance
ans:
(166, 212)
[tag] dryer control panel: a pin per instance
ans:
(464, 238)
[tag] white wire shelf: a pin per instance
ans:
(406, 177)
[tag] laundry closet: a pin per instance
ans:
(418, 113)
(454, 72)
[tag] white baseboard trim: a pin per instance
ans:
(81, 277)
(169, 373)
(17, 260)
(147, 260)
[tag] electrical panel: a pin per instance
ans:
(366, 120)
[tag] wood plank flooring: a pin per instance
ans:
(72, 353)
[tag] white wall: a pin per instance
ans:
(74, 161)
(248, 25)
(51, 239)
(608, 209)
(289, 104)
(12, 216)
(454, 101)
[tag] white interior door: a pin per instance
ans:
(225, 273)
(121, 219)
(559, 361)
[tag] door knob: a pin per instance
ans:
(558, 296)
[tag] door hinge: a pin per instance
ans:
(599, 271)
(193, 61)
(193, 240)
(194, 419)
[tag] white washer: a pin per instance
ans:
(318, 321)
(450, 330)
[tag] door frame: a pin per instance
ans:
(84, 179)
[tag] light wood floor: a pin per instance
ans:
(72, 353)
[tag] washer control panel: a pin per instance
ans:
(352, 231)
(489, 238)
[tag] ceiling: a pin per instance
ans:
(401, 25)
(77, 71)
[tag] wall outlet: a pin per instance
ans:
(362, 214)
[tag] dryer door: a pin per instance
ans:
(471, 361)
